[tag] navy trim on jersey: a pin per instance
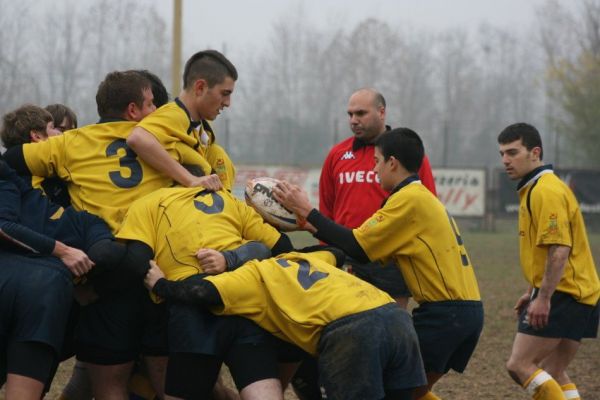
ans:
(406, 182)
(532, 174)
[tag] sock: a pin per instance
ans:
(541, 386)
(430, 396)
(570, 391)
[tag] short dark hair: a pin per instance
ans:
(60, 112)
(529, 135)
(118, 90)
(17, 124)
(159, 91)
(404, 145)
(209, 65)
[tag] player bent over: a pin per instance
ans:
(560, 306)
(170, 226)
(304, 299)
(414, 229)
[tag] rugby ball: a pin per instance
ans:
(259, 195)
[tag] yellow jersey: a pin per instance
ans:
(104, 176)
(295, 295)
(177, 222)
(414, 229)
(171, 126)
(549, 214)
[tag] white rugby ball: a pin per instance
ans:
(259, 195)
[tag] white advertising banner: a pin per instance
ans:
(461, 190)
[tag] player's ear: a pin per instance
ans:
(200, 86)
(36, 136)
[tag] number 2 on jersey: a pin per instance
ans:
(305, 278)
(129, 161)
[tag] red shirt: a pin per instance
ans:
(349, 190)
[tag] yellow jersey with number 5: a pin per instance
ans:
(414, 229)
(103, 174)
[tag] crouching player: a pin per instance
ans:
(414, 229)
(40, 252)
(304, 299)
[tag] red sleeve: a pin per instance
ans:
(426, 175)
(326, 188)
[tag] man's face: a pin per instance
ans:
(211, 100)
(382, 169)
(517, 160)
(366, 119)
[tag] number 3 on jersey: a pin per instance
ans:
(127, 160)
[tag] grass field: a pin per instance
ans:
(495, 257)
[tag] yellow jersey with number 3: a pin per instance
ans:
(414, 229)
(177, 222)
(549, 214)
(171, 126)
(103, 174)
(295, 295)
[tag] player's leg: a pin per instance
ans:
(305, 380)
(252, 360)
(448, 334)
(191, 376)
(556, 365)
(523, 365)
(109, 339)
(29, 366)
(79, 386)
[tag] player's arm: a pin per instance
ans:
(539, 309)
(296, 199)
(12, 230)
(215, 262)
(200, 292)
(148, 148)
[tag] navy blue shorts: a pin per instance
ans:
(119, 326)
(386, 277)
(381, 343)
(568, 319)
(448, 333)
(35, 299)
(194, 329)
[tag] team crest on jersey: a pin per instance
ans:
(349, 155)
(553, 224)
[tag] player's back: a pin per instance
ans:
(177, 222)
(295, 295)
(415, 229)
(104, 175)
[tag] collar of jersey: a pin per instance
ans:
(193, 124)
(411, 179)
(358, 144)
(104, 120)
(534, 175)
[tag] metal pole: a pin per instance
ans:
(176, 61)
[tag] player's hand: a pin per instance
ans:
(153, 275)
(538, 312)
(74, 259)
(211, 261)
(522, 303)
(293, 198)
(210, 182)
